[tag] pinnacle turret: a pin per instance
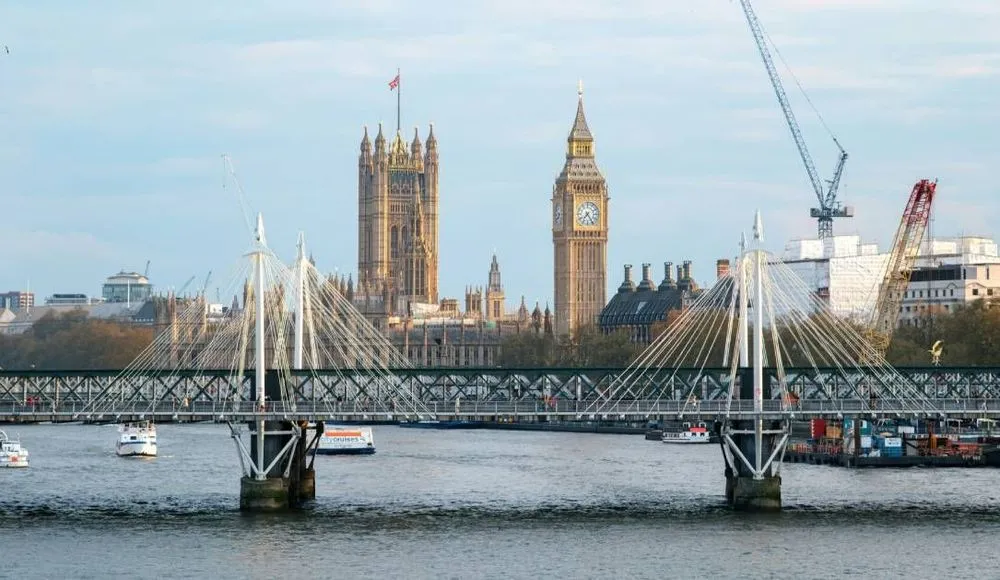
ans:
(379, 140)
(494, 277)
(366, 145)
(415, 146)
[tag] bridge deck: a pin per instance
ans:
(640, 410)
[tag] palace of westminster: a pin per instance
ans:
(397, 285)
(397, 278)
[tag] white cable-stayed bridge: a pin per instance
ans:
(752, 353)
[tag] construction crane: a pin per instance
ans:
(186, 284)
(829, 206)
(905, 247)
(204, 286)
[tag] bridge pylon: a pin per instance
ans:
(272, 463)
(753, 449)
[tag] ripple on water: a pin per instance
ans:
(514, 504)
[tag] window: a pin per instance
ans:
(975, 291)
(989, 292)
(951, 292)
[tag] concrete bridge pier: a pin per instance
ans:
(751, 486)
(303, 476)
(267, 489)
(753, 450)
(275, 476)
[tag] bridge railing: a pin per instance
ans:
(499, 410)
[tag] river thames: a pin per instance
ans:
(479, 504)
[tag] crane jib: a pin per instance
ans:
(827, 198)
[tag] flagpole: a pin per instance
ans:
(399, 89)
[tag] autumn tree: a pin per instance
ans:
(72, 341)
(970, 334)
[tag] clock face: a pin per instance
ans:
(587, 214)
(557, 217)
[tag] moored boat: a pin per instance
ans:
(688, 434)
(136, 440)
(346, 441)
(11, 452)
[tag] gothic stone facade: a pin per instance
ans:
(398, 222)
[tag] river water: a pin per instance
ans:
(479, 504)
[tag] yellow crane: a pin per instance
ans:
(901, 259)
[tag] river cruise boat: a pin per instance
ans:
(346, 441)
(11, 452)
(688, 434)
(136, 440)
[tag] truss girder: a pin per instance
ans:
(360, 386)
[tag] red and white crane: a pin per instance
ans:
(902, 257)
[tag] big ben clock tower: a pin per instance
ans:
(579, 231)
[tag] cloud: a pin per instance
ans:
(118, 138)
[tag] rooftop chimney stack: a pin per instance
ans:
(647, 280)
(687, 270)
(668, 283)
(721, 269)
(627, 284)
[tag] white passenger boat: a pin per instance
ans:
(346, 441)
(11, 452)
(136, 440)
(688, 434)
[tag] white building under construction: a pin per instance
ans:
(846, 273)
(842, 270)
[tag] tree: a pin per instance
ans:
(587, 347)
(527, 349)
(72, 341)
(970, 333)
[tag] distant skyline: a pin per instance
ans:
(115, 116)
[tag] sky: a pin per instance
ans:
(115, 115)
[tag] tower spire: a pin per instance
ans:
(580, 131)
